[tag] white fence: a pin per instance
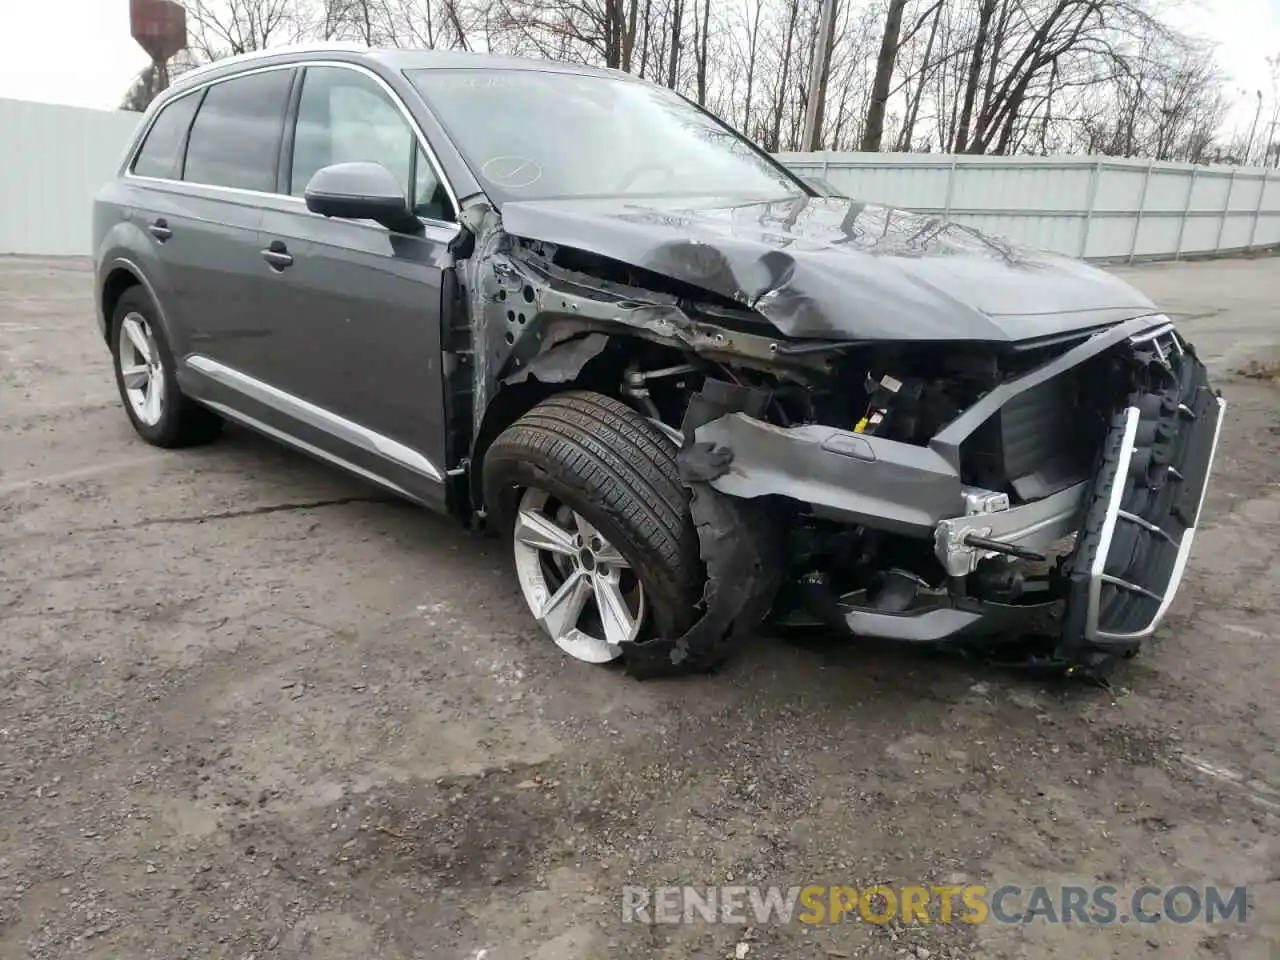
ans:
(1101, 208)
(55, 158)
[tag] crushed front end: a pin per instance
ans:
(1049, 488)
(1036, 476)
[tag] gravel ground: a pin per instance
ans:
(249, 708)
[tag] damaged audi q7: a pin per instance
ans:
(690, 391)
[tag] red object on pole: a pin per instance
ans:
(159, 26)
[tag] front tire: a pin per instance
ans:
(588, 493)
(146, 376)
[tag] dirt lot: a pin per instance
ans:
(248, 708)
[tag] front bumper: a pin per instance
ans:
(1133, 522)
(1144, 509)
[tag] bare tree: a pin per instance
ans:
(701, 48)
(933, 16)
(977, 76)
(152, 81)
(986, 12)
(753, 46)
(780, 90)
(222, 28)
(1167, 105)
(874, 130)
(587, 31)
(143, 90)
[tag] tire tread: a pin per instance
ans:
(622, 465)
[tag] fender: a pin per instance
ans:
(126, 248)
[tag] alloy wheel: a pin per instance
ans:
(577, 584)
(141, 369)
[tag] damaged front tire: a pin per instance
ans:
(589, 494)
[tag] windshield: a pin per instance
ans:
(538, 135)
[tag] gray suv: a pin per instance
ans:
(691, 390)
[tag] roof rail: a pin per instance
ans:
(321, 46)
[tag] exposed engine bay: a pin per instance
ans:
(916, 490)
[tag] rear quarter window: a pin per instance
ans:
(235, 140)
(161, 153)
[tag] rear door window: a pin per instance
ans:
(235, 141)
(161, 153)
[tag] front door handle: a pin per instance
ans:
(160, 230)
(277, 255)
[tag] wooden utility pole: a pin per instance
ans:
(1248, 151)
(818, 77)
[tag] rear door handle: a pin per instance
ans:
(160, 230)
(277, 255)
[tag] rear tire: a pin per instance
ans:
(609, 466)
(146, 376)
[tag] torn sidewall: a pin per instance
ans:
(740, 545)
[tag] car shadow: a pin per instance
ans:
(860, 664)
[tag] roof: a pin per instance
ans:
(393, 58)
(403, 59)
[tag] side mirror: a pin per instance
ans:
(361, 191)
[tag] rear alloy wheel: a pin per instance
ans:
(604, 547)
(147, 378)
(140, 369)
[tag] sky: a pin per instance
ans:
(97, 59)
(1244, 33)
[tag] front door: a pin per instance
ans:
(353, 310)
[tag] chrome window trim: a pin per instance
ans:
(185, 188)
(252, 56)
(135, 151)
(316, 416)
(128, 174)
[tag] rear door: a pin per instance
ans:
(155, 204)
(354, 310)
(231, 165)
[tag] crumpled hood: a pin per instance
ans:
(835, 268)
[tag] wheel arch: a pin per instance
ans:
(562, 367)
(118, 277)
(118, 280)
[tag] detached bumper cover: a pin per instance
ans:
(1143, 512)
